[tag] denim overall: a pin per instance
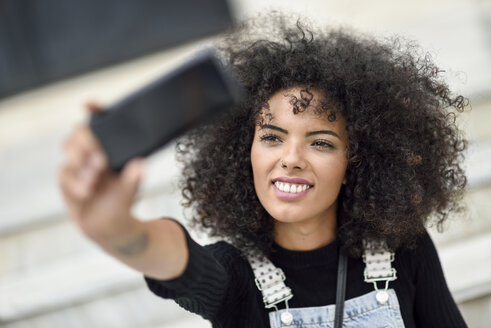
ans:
(379, 308)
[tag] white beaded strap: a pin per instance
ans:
(270, 281)
(378, 267)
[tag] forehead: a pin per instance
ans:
(298, 105)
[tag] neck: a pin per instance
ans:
(305, 236)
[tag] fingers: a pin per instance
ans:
(82, 148)
(85, 161)
(78, 184)
(76, 150)
(73, 190)
(131, 177)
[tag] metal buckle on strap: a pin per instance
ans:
(286, 298)
(391, 277)
(378, 267)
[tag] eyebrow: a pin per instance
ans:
(308, 134)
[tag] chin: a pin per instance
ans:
(288, 217)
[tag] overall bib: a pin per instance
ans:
(379, 308)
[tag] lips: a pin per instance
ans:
(291, 188)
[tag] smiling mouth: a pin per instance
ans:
(292, 188)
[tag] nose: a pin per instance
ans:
(293, 157)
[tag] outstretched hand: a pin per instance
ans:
(98, 200)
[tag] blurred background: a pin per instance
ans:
(50, 276)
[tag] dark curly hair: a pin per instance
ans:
(405, 151)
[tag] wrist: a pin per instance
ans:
(121, 231)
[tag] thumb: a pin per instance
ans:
(131, 177)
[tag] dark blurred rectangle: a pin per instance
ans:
(149, 118)
(45, 40)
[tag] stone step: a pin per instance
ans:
(478, 164)
(128, 309)
(87, 290)
(72, 280)
(467, 267)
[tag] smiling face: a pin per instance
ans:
(298, 161)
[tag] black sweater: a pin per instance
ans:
(218, 284)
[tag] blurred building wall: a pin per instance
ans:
(45, 41)
(50, 276)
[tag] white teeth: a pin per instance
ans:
(291, 188)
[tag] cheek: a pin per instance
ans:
(261, 163)
(254, 157)
(336, 172)
(255, 163)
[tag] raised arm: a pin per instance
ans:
(99, 201)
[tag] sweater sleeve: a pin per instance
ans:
(434, 305)
(202, 288)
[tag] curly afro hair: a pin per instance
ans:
(405, 151)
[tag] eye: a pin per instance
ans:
(270, 139)
(322, 144)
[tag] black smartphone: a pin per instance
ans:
(149, 118)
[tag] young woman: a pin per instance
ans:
(321, 182)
